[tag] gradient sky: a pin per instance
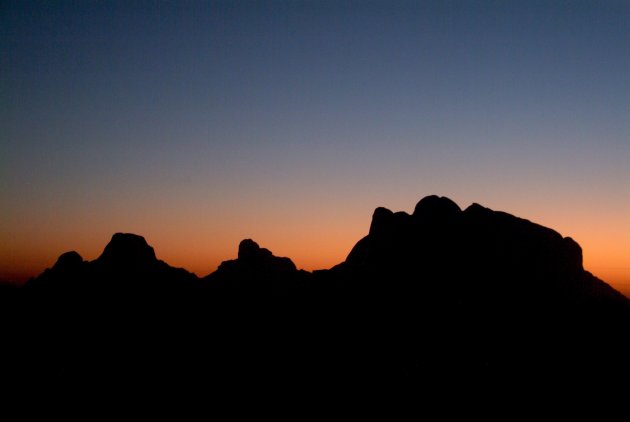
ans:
(198, 124)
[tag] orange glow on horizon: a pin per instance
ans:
(308, 255)
(322, 243)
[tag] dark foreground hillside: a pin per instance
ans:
(442, 303)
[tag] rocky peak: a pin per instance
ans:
(127, 250)
(434, 207)
(248, 250)
(381, 220)
(257, 270)
(68, 262)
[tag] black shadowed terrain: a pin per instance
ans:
(457, 303)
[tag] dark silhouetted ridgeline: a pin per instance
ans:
(439, 303)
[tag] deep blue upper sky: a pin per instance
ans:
(201, 111)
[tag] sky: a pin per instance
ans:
(199, 124)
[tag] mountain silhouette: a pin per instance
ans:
(258, 271)
(445, 300)
(128, 265)
(475, 256)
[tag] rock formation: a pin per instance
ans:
(442, 299)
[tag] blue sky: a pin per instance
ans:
(194, 116)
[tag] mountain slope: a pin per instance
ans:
(443, 299)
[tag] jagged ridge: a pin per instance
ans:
(476, 297)
(438, 234)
